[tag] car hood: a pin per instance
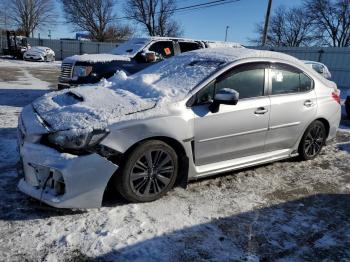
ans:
(88, 107)
(96, 58)
(35, 52)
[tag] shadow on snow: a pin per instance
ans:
(311, 228)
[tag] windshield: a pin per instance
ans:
(173, 78)
(131, 47)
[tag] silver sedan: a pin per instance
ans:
(194, 115)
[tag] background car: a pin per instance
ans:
(320, 68)
(39, 53)
(194, 115)
(131, 57)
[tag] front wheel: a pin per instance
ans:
(312, 141)
(149, 172)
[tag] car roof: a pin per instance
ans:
(233, 54)
(160, 38)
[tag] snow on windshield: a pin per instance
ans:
(131, 47)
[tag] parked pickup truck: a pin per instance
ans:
(130, 56)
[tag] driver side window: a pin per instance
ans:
(248, 80)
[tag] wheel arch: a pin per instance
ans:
(180, 151)
(182, 178)
(325, 123)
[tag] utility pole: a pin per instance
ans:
(266, 26)
(1, 29)
(227, 27)
(4, 23)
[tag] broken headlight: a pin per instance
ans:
(76, 139)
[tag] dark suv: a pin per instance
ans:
(131, 57)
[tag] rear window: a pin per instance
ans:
(287, 79)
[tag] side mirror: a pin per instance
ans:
(225, 96)
(149, 56)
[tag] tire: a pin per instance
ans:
(141, 181)
(312, 141)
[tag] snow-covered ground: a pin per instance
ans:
(286, 211)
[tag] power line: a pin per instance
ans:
(188, 8)
(191, 7)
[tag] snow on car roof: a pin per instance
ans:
(135, 45)
(175, 77)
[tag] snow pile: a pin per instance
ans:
(94, 58)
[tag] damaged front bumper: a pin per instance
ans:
(64, 180)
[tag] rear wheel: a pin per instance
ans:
(149, 172)
(312, 141)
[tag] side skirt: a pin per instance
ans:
(240, 163)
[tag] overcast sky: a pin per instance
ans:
(209, 23)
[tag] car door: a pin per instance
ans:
(293, 106)
(235, 130)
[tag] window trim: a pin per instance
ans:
(269, 89)
(229, 72)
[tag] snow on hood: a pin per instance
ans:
(88, 107)
(94, 58)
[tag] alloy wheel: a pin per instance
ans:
(152, 172)
(314, 141)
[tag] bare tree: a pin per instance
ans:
(93, 16)
(288, 27)
(28, 15)
(115, 33)
(331, 19)
(155, 16)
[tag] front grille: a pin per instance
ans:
(66, 70)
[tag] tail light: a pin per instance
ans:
(336, 97)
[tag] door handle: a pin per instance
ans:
(309, 103)
(261, 111)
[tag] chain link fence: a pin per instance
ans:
(65, 48)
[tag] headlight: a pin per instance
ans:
(77, 139)
(81, 71)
